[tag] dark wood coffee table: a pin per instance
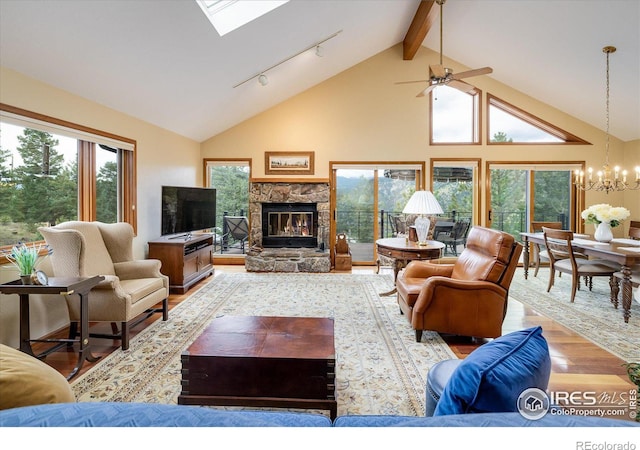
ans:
(279, 362)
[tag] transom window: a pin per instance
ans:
(455, 116)
(510, 124)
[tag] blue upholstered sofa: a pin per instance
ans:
(479, 391)
(112, 414)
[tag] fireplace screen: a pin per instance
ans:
(290, 224)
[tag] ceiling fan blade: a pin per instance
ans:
(438, 70)
(409, 82)
(462, 86)
(472, 73)
(429, 88)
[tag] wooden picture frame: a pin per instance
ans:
(289, 163)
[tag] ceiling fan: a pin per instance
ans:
(440, 75)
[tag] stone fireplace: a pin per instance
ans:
(289, 227)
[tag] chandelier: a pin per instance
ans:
(607, 180)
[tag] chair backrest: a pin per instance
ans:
(490, 255)
(461, 229)
(238, 226)
(79, 249)
(536, 227)
(558, 243)
(634, 229)
(399, 225)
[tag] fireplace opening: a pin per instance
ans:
(289, 225)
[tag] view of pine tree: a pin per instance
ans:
(232, 194)
(454, 196)
(508, 199)
(552, 196)
(45, 190)
(6, 185)
(501, 137)
(355, 208)
(107, 193)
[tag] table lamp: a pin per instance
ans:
(422, 203)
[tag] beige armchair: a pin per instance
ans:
(131, 288)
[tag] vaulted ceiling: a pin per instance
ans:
(162, 62)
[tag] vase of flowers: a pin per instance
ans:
(605, 217)
(25, 258)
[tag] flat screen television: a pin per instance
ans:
(187, 209)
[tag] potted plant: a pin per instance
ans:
(25, 258)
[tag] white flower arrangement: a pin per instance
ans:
(603, 212)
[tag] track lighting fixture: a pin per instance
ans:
(262, 78)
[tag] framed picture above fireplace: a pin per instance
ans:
(288, 163)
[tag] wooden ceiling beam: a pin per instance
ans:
(420, 25)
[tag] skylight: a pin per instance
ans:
(228, 15)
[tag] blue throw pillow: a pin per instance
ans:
(492, 377)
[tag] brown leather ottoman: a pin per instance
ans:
(281, 362)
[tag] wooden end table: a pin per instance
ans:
(61, 286)
(280, 362)
(403, 251)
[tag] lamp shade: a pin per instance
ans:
(422, 202)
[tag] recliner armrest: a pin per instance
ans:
(477, 291)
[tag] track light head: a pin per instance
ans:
(319, 51)
(263, 80)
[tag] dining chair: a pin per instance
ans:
(541, 254)
(634, 229)
(558, 244)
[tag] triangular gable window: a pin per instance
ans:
(512, 125)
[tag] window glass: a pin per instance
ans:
(107, 184)
(454, 117)
(505, 127)
(230, 179)
(39, 182)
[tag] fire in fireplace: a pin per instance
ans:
(289, 225)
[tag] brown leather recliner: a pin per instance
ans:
(468, 297)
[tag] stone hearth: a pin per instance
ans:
(259, 259)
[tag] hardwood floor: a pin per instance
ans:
(577, 364)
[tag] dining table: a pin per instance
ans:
(623, 251)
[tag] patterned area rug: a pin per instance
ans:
(380, 368)
(592, 314)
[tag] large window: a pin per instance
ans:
(51, 172)
(524, 192)
(369, 197)
(230, 178)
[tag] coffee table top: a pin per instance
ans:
(266, 337)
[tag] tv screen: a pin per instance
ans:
(187, 209)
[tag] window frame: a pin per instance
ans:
(87, 171)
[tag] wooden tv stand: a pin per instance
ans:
(186, 259)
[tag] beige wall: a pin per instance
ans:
(361, 115)
(163, 157)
